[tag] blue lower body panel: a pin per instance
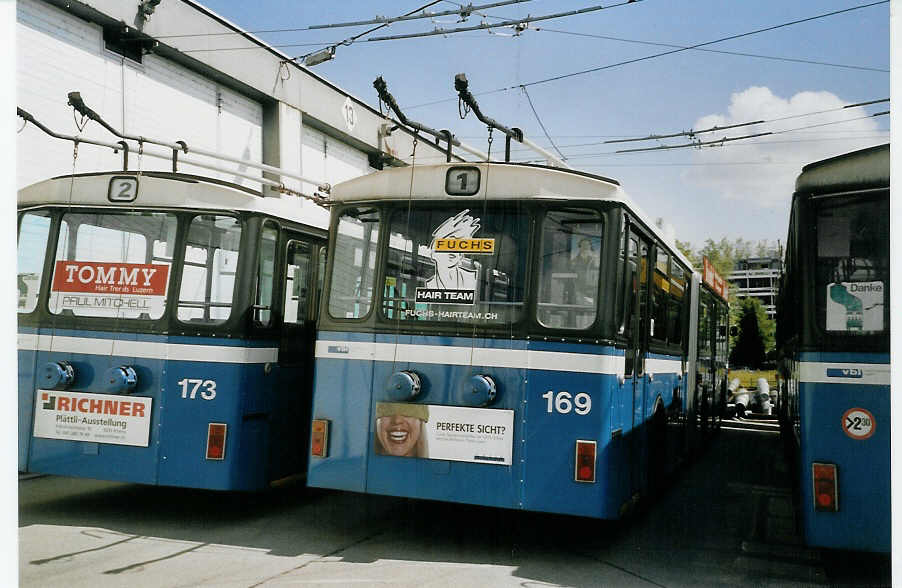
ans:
(552, 394)
(862, 458)
(184, 398)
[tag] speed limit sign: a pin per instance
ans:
(858, 423)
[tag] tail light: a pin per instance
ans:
(585, 461)
(319, 438)
(216, 440)
(826, 487)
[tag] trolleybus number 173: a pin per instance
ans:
(190, 386)
(563, 402)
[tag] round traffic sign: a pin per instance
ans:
(858, 423)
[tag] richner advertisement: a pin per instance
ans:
(455, 433)
(102, 418)
(109, 289)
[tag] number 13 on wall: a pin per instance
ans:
(564, 402)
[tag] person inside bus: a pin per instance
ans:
(585, 266)
(400, 429)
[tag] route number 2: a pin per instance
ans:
(563, 402)
(190, 386)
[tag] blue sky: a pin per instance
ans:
(740, 189)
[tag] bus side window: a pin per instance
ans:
(630, 287)
(266, 264)
(675, 307)
(660, 296)
(34, 231)
(354, 263)
(208, 276)
(569, 274)
(297, 279)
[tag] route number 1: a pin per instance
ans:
(563, 402)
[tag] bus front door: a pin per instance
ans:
(637, 349)
(300, 297)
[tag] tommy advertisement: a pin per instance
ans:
(476, 435)
(108, 289)
(102, 418)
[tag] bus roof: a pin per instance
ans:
(865, 168)
(498, 181)
(170, 190)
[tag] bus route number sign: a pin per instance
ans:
(858, 423)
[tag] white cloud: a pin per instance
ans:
(764, 169)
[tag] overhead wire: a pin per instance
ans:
(574, 156)
(506, 23)
(664, 53)
(541, 124)
(697, 45)
(726, 139)
(738, 53)
(353, 38)
(718, 128)
(420, 14)
(691, 133)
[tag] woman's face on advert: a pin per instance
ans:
(398, 434)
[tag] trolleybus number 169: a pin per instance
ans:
(563, 402)
(190, 386)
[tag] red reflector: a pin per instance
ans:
(319, 437)
(585, 461)
(826, 488)
(216, 440)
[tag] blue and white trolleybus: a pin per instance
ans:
(833, 327)
(509, 335)
(165, 330)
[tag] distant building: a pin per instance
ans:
(758, 277)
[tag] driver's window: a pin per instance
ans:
(569, 270)
(34, 231)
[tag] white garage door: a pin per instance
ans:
(326, 157)
(58, 53)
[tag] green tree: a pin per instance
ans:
(686, 249)
(721, 254)
(750, 347)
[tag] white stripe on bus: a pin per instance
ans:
(871, 374)
(455, 355)
(663, 366)
(147, 349)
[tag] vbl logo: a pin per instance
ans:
(845, 373)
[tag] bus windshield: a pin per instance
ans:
(119, 265)
(852, 271)
(456, 264)
(112, 264)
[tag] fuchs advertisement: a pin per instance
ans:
(109, 288)
(102, 418)
(452, 282)
(478, 435)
